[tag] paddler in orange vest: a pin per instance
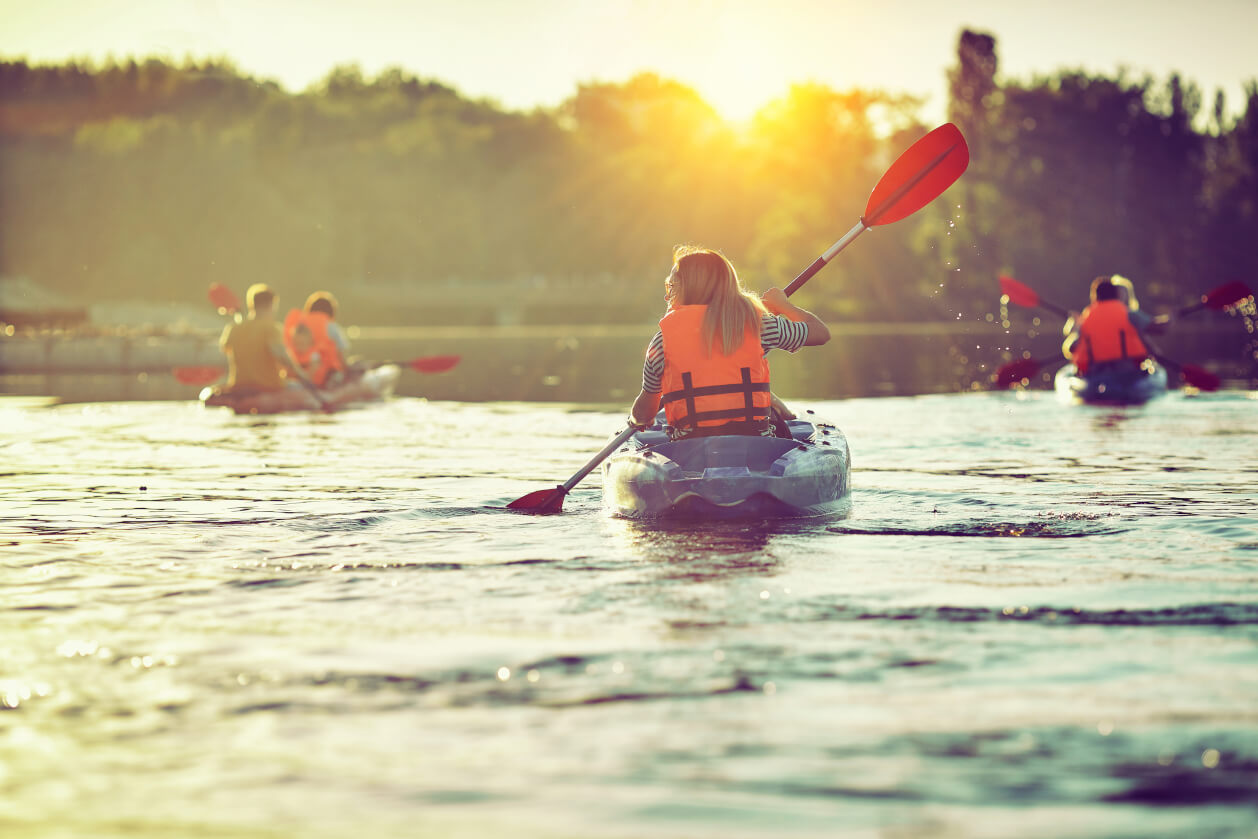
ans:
(257, 358)
(323, 354)
(707, 365)
(1104, 333)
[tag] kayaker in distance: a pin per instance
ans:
(1108, 332)
(324, 356)
(707, 365)
(257, 359)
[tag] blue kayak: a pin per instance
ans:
(732, 476)
(1118, 383)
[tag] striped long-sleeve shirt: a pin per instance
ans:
(776, 333)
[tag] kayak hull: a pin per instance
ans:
(808, 474)
(1120, 384)
(372, 386)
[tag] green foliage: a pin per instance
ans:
(410, 201)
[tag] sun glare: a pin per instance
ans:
(738, 93)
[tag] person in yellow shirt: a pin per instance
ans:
(257, 359)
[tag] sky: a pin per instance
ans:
(738, 54)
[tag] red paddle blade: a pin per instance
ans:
(223, 298)
(1018, 293)
(434, 363)
(918, 176)
(1199, 377)
(543, 502)
(1226, 296)
(1015, 371)
(198, 375)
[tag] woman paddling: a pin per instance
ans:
(707, 365)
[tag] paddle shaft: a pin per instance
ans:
(821, 261)
(617, 442)
(873, 215)
(1054, 308)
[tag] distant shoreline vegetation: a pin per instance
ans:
(148, 180)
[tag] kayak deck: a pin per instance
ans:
(373, 385)
(740, 476)
(1118, 384)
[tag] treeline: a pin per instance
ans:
(150, 180)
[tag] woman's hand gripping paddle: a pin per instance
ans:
(1026, 368)
(917, 177)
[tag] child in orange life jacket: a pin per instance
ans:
(303, 344)
(706, 366)
(1104, 334)
(323, 357)
(324, 303)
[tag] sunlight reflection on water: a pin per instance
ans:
(305, 625)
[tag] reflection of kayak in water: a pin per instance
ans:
(373, 385)
(730, 476)
(1122, 383)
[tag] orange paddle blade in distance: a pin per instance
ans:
(224, 299)
(434, 363)
(1015, 371)
(1226, 296)
(1199, 377)
(198, 374)
(1018, 294)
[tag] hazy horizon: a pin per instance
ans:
(737, 55)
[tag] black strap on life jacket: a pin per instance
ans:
(748, 413)
(1122, 342)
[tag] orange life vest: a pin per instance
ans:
(1106, 334)
(702, 389)
(329, 356)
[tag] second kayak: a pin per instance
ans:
(374, 384)
(1123, 383)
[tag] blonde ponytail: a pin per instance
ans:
(706, 277)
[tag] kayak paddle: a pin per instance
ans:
(1223, 297)
(918, 176)
(1198, 377)
(551, 500)
(1024, 368)
(225, 300)
(427, 363)
(1023, 295)
(199, 374)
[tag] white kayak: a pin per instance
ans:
(807, 474)
(373, 385)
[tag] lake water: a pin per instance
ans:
(1036, 620)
